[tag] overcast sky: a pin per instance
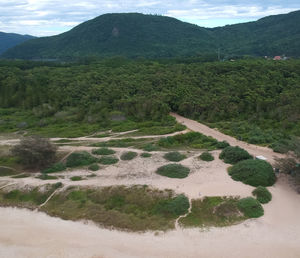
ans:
(50, 17)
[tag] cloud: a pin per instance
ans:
(49, 17)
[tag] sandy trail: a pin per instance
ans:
(251, 148)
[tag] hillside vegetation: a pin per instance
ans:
(9, 40)
(255, 100)
(137, 35)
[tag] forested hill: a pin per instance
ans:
(9, 40)
(138, 35)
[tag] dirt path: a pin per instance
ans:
(251, 148)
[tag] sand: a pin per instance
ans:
(26, 233)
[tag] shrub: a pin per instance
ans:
(222, 145)
(150, 147)
(253, 172)
(174, 156)
(82, 158)
(76, 178)
(233, 155)
(35, 152)
(108, 160)
(94, 167)
(57, 167)
(128, 155)
(173, 171)
(262, 194)
(206, 156)
(103, 151)
(146, 155)
(47, 177)
(250, 207)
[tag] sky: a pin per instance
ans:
(51, 17)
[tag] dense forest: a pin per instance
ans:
(152, 36)
(255, 100)
(9, 40)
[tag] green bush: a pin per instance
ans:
(57, 167)
(47, 177)
(103, 151)
(253, 172)
(146, 155)
(94, 167)
(82, 158)
(76, 178)
(262, 194)
(233, 155)
(108, 160)
(250, 207)
(150, 147)
(206, 156)
(128, 155)
(173, 171)
(222, 145)
(174, 156)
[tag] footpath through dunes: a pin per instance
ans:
(251, 148)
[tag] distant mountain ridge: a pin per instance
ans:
(139, 35)
(9, 40)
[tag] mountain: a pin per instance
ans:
(9, 40)
(134, 35)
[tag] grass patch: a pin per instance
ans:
(101, 135)
(253, 172)
(145, 155)
(57, 167)
(233, 155)
(206, 156)
(250, 207)
(189, 140)
(174, 156)
(21, 176)
(46, 177)
(94, 167)
(150, 147)
(109, 160)
(76, 178)
(103, 151)
(262, 194)
(82, 158)
(173, 171)
(136, 208)
(129, 155)
(29, 198)
(213, 212)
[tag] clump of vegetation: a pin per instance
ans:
(146, 155)
(253, 172)
(103, 151)
(94, 167)
(222, 145)
(250, 207)
(213, 211)
(174, 156)
(46, 177)
(129, 155)
(135, 208)
(206, 156)
(82, 158)
(24, 175)
(108, 160)
(57, 167)
(35, 152)
(150, 147)
(76, 178)
(173, 171)
(262, 194)
(233, 155)
(189, 140)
